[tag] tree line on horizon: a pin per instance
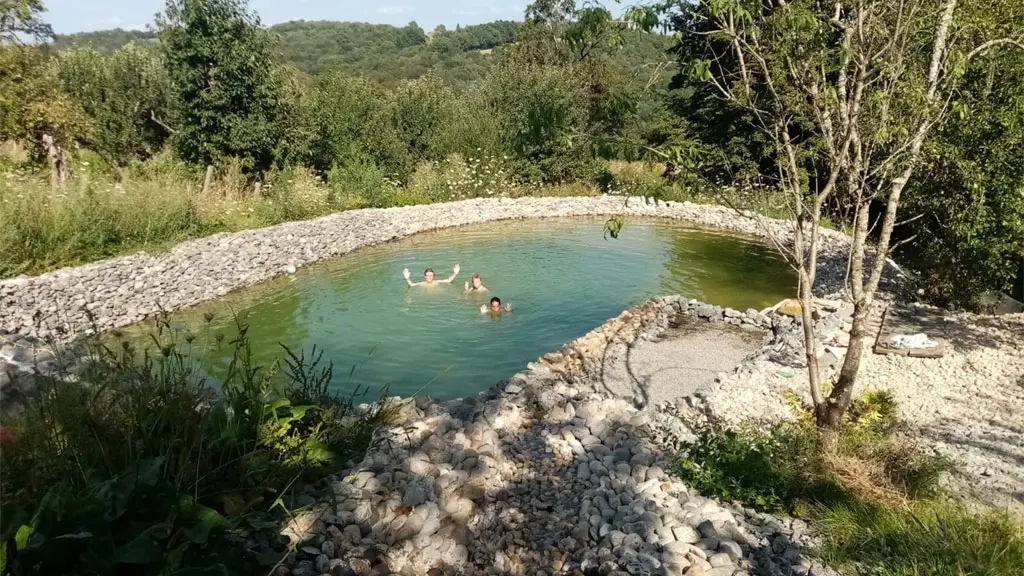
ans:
(384, 53)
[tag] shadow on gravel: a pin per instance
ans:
(548, 478)
(993, 464)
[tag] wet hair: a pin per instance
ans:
(496, 299)
(431, 270)
(476, 276)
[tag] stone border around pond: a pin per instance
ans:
(124, 290)
(544, 473)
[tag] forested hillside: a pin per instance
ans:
(384, 53)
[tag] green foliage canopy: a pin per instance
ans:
(222, 74)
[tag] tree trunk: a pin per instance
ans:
(60, 168)
(841, 397)
(806, 298)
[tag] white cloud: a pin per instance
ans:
(460, 12)
(394, 9)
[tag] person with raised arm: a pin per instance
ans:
(428, 277)
(495, 308)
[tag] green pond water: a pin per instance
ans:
(562, 278)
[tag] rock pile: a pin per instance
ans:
(547, 478)
(22, 358)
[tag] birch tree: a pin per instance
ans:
(846, 94)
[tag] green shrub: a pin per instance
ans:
(148, 469)
(769, 470)
(638, 179)
(362, 178)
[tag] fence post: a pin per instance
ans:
(208, 179)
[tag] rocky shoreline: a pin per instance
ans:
(544, 474)
(124, 290)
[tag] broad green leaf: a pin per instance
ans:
(205, 520)
(22, 536)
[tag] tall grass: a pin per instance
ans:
(647, 179)
(95, 216)
(155, 204)
(158, 203)
(147, 468)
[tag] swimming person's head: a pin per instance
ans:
(428, 275)
(476, 282)
(495, 304)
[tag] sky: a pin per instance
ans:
(69, 16)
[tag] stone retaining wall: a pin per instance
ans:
(127, 289)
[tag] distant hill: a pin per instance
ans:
(385, 53)
(103, 41)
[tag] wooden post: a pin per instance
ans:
(209, 179)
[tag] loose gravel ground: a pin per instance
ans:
(967, 405)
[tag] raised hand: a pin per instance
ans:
(467, 286)
(406, 273)
(457, 268)
(508, 307)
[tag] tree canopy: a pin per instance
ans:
(222, 76)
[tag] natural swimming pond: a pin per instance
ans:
(561, 276)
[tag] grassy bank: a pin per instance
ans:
(156, 204)
(147, 469)
(875, 501)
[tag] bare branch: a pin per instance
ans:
(986, 46)
(152, 116)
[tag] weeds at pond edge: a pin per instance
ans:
(134, 462)
(875, 503)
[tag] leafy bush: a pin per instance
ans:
(361, 178)
(147, 468)
(638, 179)
(412, 125)
(543, 114)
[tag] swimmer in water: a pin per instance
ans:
(495, 307)
(428, 277)
(476, 286)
